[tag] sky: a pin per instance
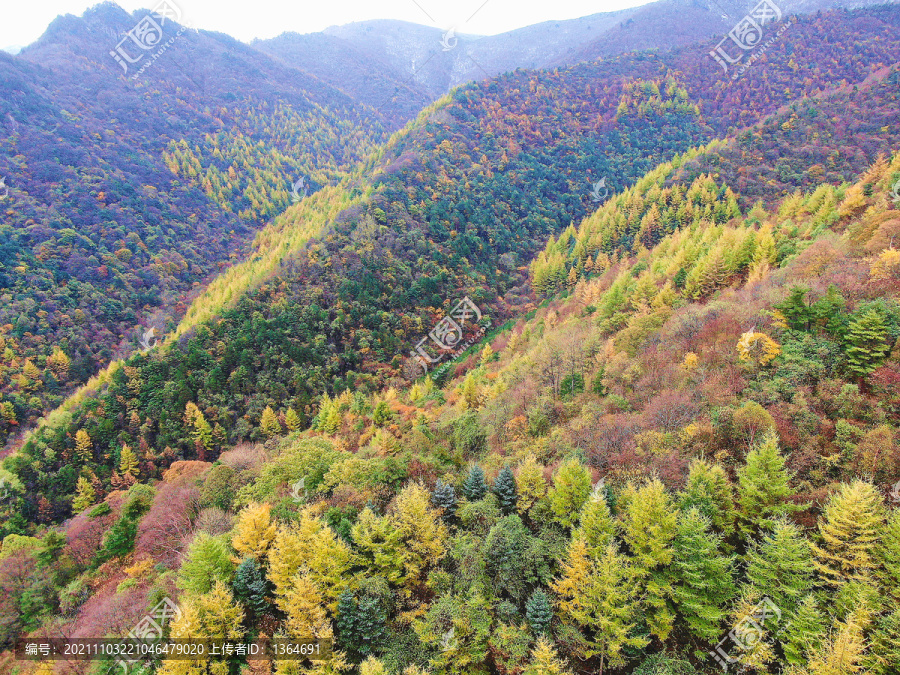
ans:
(24, 22)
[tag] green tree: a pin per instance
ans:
(865, 344)
(571, 488)
(251, 587)
(709, 490)
(505, 490)
(764, 486)
(206, 562)
(444, 497)
(849, 529)
(703, 577)
(292, 419)
(649, 524)
(538, 612)
(84, 495)
(361, 623)
(595, 523)
(128, 464)
(475, 487)
(804, 631)
(781, 566)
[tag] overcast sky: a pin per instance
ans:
(25, 20)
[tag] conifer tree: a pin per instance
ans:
(361, 623)
(292, 419)
(709, 490)
(595, 523)
(538, 612)
(423, 535)
(649, 524)
(843, 653)
(571, 488)
(781, 566)
(372, 666)
(764, 486)
(865, 344)
(206, 562)
(475, 487)
(850, 528)
(379, 542)
(254, 531)
(703, 577)
(84, 495)
(505, 490)
(128, 464)
(269, 423)
(250, 586)
(84, 447)
(545, 660)
(530, 483)
(444, 497)
(804, 631)
(884, 650)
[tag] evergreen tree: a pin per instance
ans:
(865, 344)
(84, 447)
(764, 486)
(206, 562)
(250, 586)
(709, 490)
(361, 623)
(444, 497)
(703, 577)
(804, 631)
(649, 524)
(571, 488)
(595, 524)
(850, 528)
(884, 650)
(505, 490)
(475, 487)
(292, 419)
(888, 554)
(843, 653)
(538, 612)
(781, 566)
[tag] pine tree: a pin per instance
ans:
(206, 562)
(545, 660)
(884, 650)
(128, 464)
(804, 632)
(530, 483)
(84, 447)
(709, 490)
(269, 423)
(850, 528)
(292, 419)
(475, 488)
(254, 531)
(538, 612)
(571, 488)
(250, 586)
(703, 577)
(764, 486)
(361, 623)
(444, 497)
(505, 490)
(865, 344)
(649, 524)
(595, 523)
(84, 495)
(781, 566)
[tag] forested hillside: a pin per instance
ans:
(677, 427)
(121, 197)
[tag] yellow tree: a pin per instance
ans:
(128, 464)
(850, 529)
(422, 532)
(254, 531)
(269, 423)
(530, 483)
(84, 447)
(84, 495)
